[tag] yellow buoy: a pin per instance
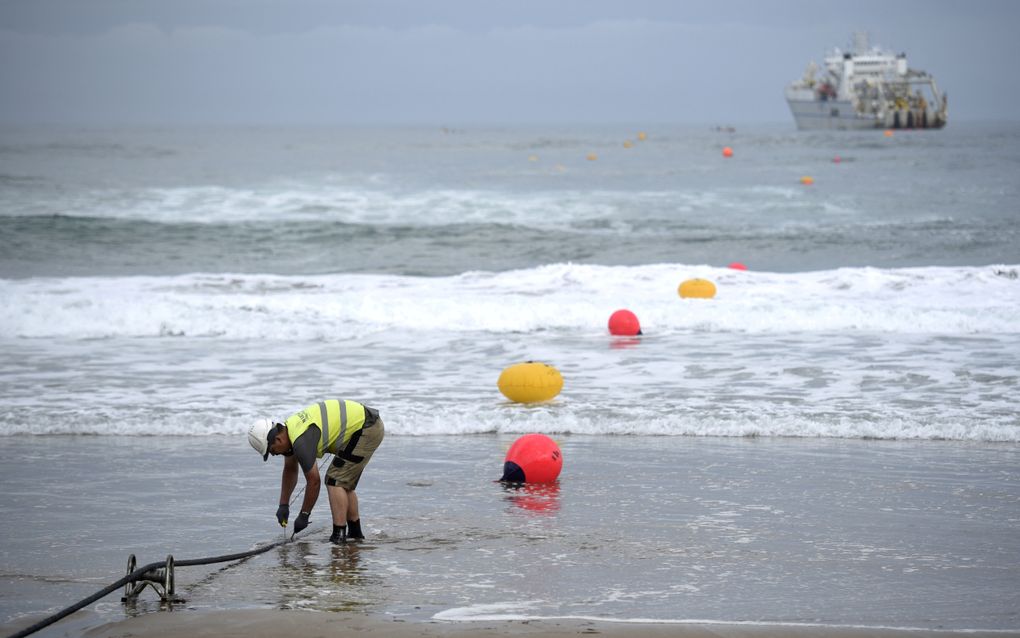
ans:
(642, 136)
(888, 133)
(532, 158)
(592, 157)
(628, 144)
(530, 382)
(697, 289)
(807, 180)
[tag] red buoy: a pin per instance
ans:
(624, 323)
(738, 266)
(533, 458)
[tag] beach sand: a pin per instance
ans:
(271, 623)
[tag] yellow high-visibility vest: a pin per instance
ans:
(336, 419)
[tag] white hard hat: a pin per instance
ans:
(258, 436)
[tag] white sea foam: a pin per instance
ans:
(519, 611)
(559, 297)
(118, 412)
(915, 353)
(568, 418)
(328, 201)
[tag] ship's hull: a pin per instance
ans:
(814, 114)
(839, 115)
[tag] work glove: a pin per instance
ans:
(300, 522)
(282, 514)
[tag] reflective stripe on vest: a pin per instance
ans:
(324, 427)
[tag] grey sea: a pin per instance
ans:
(829, 442)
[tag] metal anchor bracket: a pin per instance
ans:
(161, 579)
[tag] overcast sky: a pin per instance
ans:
(459, 62)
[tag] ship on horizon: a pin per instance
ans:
(866, 88)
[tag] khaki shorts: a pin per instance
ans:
(346, 472)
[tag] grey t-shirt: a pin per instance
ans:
(306, 446)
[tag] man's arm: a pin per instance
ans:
(313, 482)
(289, 479)
(305, 448)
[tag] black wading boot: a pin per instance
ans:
(354, 530)
(339, 536)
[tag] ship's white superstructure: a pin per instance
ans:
(865, 88)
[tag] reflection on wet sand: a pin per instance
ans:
(539, 498)
(623, 343)
(325, 577)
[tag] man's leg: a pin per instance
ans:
(352, 506)
(338, 504)
(343, 501)
(353, 517)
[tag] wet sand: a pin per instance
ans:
(718, 536)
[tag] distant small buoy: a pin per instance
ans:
(807, 180)
(697, 289)
(624, 323)
(533, 458)
(628, 144)
(738, 266)
(592, 157)
(532, 158)
(727, 151)
(837, 159)
(888, 132)
(642, 136)
(530, 382)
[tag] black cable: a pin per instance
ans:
(135, 575)
(229, 557)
